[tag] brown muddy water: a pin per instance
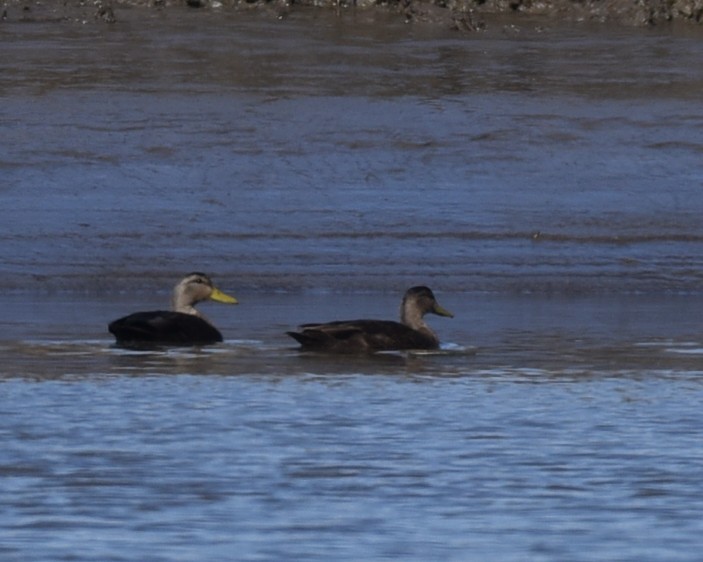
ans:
(546, 182)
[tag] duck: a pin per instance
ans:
(369, 336)
(184, 325)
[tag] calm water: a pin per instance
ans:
(546, 182)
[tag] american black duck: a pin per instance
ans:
(355, 336)
(183, 325)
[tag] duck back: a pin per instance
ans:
(164, 327)
(362, 336)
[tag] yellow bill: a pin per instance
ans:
(219, 296)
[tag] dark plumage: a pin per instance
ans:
(354, 336)
(183, 325)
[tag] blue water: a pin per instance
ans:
(546, 428)
(251, 467)
(545, 181)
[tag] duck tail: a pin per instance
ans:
(309, 338)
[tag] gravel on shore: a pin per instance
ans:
(462, 15)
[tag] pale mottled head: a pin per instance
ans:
(194, 288)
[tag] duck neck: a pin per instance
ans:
(180, 303)
(413, 318)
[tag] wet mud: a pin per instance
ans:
(334, 154)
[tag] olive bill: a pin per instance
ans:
(441, 311)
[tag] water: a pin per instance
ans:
(269, 467)
(545, 181)
(334, 152)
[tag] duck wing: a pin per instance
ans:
(361, 336)
(164, 327)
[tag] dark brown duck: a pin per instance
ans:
(358, 336)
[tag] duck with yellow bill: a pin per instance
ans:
(184, 325)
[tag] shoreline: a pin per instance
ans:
(460, 15)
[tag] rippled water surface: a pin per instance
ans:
(545, 181)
